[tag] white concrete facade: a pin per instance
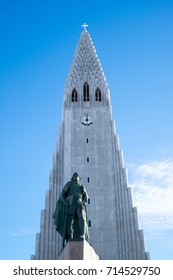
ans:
(89, 145)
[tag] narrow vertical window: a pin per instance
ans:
(88, 159)
(87, 140)
(89, 223)
(89, 200)
(88, 180)
(74, 95)
(86, 92)
(98, 95)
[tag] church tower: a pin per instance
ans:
(88, 144)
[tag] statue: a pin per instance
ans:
(70, 216)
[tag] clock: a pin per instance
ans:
(87, 119)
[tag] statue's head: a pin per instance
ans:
(76, 177)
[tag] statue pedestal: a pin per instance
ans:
(78, 250)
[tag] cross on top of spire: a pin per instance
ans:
(84, 26)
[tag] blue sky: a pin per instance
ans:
(134, 42)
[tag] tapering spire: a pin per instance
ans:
(88, 144)
(85, 65)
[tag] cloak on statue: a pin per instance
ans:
(60, 216)
(60, 220)
(72, 196)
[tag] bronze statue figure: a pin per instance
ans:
(70, 216)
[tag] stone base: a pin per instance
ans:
(78, 250)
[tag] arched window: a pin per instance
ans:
(98, 95)
(74, 95)
(86, 92)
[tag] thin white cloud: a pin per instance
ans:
(152, 186)
(18, 232)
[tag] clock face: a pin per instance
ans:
(87, 119)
